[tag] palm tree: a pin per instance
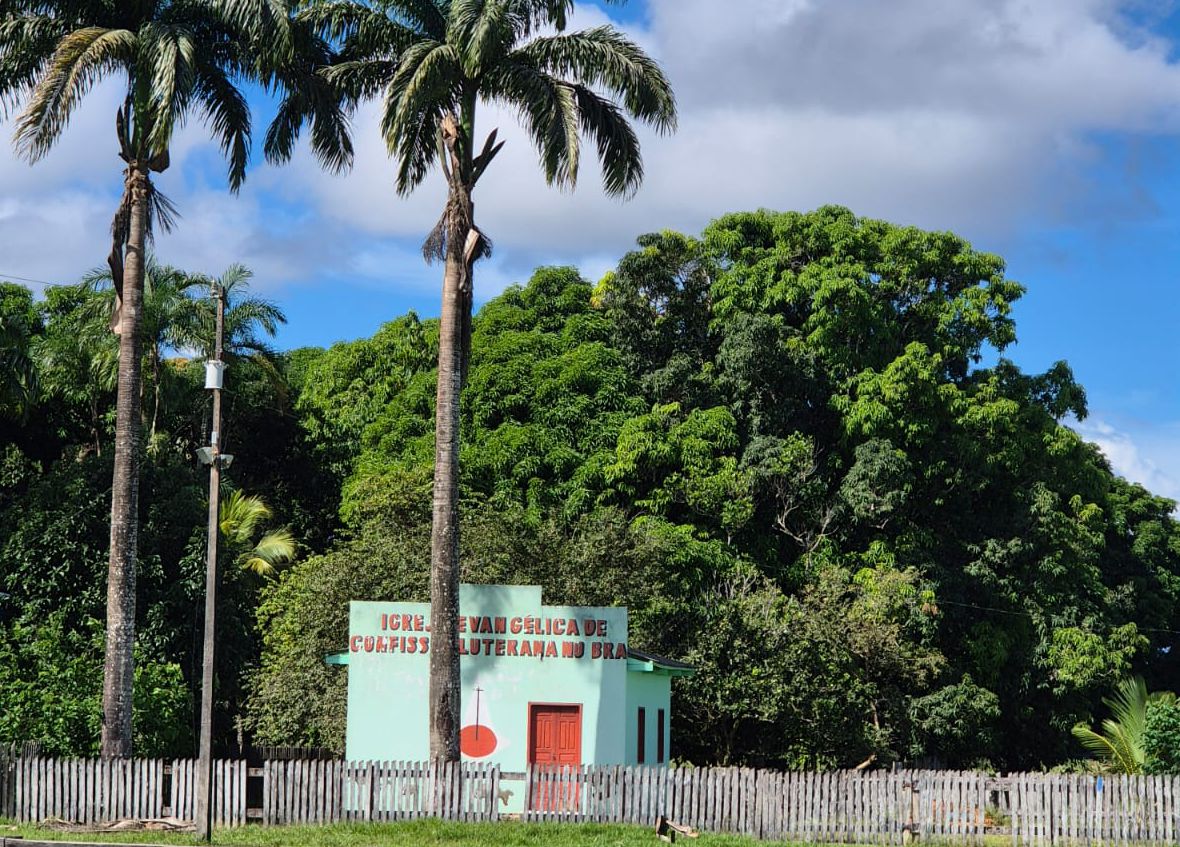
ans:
(432, 62)
(249, 320)
(240, 517)
(169, 318)
(1120, 745)
(176, 58)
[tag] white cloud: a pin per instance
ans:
(1148, 454)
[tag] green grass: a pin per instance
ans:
(410, 834)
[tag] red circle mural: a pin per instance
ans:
(476, 741)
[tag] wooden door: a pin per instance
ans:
(555, 749)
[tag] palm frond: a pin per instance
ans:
(618, 145)
(227, 115)
(1103, 748)
(168, 55)
(603, 57)
(548, 107)
(366, 32)
(1120, 745)
(426, 16)
(316, 102)
(27, 43)
(425, 80)
(265, 24)
(420, 93)
(240, 516)
(272, 551)
(356, 80)
(81, 59)
(162, 212)
(484, 31)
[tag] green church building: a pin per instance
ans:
(541, 684)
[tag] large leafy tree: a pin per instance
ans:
(175, 59)
(18, 325)
(432, 62)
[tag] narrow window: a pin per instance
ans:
(641, 736)
(660, 737)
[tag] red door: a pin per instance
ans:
(555, 744)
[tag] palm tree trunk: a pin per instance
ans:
(444, 539)
(118, 666)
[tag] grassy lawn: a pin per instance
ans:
(411, 834)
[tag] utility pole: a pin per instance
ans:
(214, 370)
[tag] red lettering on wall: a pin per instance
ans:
(551, 649)
(512, 645)
(354, 644)
(501, 625)
(500, 643)
(514, 626)
(369, 643)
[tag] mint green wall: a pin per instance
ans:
(653, 691)
(388, 693)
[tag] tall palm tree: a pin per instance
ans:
(432, 62)
(1120, 744)
(176, 59)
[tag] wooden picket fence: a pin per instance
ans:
(875, 807)
(311, 791)
(91, 791)
(94, 791)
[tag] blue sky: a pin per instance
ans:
(1046, 132)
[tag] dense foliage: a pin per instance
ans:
(792, 446)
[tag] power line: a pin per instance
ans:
(25, 279)
(1030, 616)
